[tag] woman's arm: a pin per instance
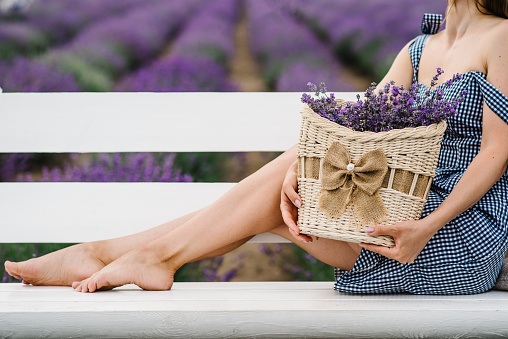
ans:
(483, 172)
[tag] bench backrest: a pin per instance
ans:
(129, 122)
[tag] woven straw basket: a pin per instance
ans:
(411, 156)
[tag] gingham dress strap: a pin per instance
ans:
(415, 52)
(431, 23)
(495, 99)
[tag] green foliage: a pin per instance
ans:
(298, 263)
(216, 53)
(311, 269)
(36, 42)
(202, 166)
(88, 77)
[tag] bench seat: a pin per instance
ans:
(245, 309)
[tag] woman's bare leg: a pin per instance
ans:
(81, 261)
(251, 207)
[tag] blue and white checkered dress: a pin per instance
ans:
(465, 256)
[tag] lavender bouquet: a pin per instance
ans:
(369, 162)
(393, 107)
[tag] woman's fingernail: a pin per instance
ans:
(298, 203)
(369, 229)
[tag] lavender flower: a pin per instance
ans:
(392, 107)
(132, 167)
(287, 50)
(178, 74)
(104, 50)
(210, 32)
(195, 63)
(367, 35)
(24, 75)
(11, 164)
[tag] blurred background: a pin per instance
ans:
(193, 46)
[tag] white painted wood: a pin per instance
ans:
(232, 310)
(79, 212)
(149, 122)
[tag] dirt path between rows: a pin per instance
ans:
(244, 69)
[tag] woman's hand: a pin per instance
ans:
(290, 202)
(410, 237)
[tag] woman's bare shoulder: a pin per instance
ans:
(496, 35)
(496, 38)
(496, 49)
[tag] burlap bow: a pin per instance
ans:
(357, 184)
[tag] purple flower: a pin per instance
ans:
(178, 74)
(288, 51)
(132, 167)
(369, 34)
(24, 75)
(382, 112)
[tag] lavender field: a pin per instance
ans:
(191, 46)
(172, 45)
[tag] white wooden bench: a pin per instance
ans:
(231, 122)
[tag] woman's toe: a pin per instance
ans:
(80, 286)
(92, 285)
(84, 286)
(12, 269)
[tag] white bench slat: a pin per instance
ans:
(79, 212)
(264, 309)
(149, 122)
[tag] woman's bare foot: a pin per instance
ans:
(59, 268)
(140, 267)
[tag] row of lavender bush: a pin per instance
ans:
(102, 51)
(198, 58)
(289, 54)
(367, 34)
(48, 23)
(119, 44)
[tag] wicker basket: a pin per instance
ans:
(411, 155)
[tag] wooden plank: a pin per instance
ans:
(230, 310)
(79, 212)
(149, 122)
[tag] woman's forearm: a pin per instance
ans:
(483, 172)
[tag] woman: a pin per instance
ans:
(458, 245)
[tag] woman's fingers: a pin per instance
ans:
(290, 202)
(289, 215)
(289, 188)
(382, 230)
(410, 237)
(384, 251)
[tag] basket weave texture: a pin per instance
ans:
(411, 155)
